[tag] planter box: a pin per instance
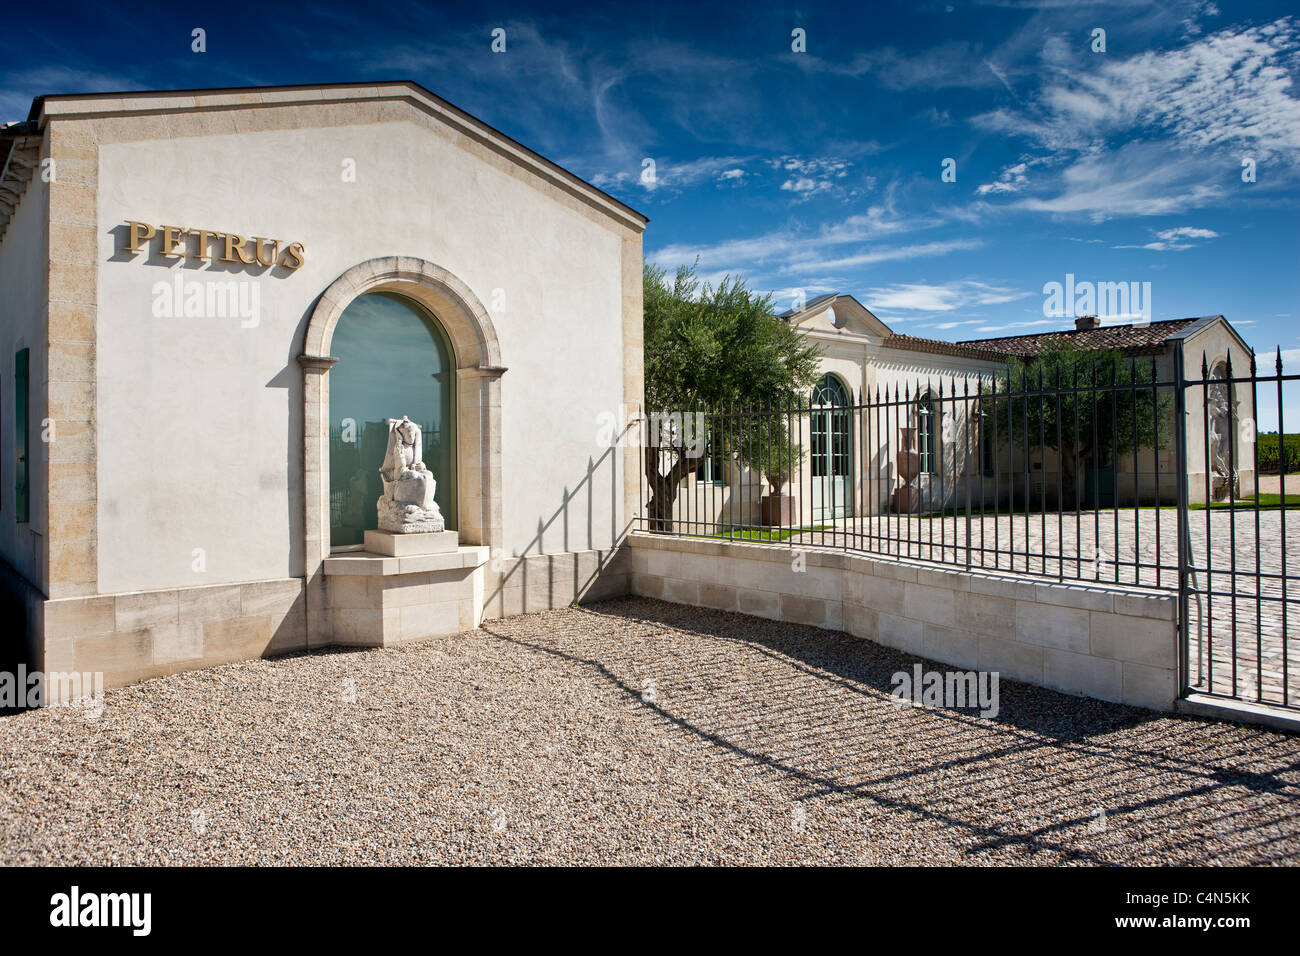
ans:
(777, 511)
(907, 499)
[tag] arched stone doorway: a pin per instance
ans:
(477, 402)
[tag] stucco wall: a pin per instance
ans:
(199, 433)
(23, 265)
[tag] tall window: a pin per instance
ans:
(986, 443)
(22, 444)
(394, 359)
(830, 432)
(926, 429)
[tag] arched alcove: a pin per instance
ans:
(477, 402)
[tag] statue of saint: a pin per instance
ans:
(407, 504)
(1224, 483)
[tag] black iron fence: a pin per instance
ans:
(1121, 471)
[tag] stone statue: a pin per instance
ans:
(1224, 481)
(407, 504)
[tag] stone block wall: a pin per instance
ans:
(140, 635)
(1110, 643)
(543, 582)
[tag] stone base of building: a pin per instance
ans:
(139, 635)
(373, 600)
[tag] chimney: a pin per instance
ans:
(1084, 322)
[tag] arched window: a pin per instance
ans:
(927, 427)
(831, 458)
(394, 359)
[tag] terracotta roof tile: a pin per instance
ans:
(1127, 338)
(914, 343)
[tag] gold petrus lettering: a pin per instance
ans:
(229, 246)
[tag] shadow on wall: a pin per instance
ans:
(536, 580)
(814, 707)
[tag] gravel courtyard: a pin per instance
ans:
(628, 732)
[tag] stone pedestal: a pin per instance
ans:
(419, 542)
(378, 600)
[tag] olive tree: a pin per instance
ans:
(710, 348)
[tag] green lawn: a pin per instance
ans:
(767, 534)
(1265, 501)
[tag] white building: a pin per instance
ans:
(891, 382)
(213, 301)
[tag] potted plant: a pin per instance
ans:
(777, 508)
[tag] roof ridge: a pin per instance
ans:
(504, 143)
(1098, 328)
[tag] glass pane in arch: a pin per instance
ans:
(831, 458)
(925, 416)
(394, 359)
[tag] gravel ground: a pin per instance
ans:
(630, 732)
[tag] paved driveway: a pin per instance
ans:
(630, 732)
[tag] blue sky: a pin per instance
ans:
(821, 170)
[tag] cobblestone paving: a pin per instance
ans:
(630, 732)
(1140, 549)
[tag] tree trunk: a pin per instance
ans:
(1069, 480)
(663, 487)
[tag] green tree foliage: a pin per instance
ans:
(716, 348)
(1034, 403)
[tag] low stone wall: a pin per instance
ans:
(1110, 643)
(144, 634)
(140, 635)
(1115, 644)
(543, 582)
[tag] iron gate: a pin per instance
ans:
(1239, 599)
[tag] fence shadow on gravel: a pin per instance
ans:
(1091, 782)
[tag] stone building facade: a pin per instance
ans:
(209, 294)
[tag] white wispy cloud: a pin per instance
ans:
(1178, 238)
(782, 247)
(1150, 134)
(1009, 181)
(943, 297)
(807, 177)
(671, 174)
(887, 254)
(1139, 179)
(1230, 87)
(949, 65)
